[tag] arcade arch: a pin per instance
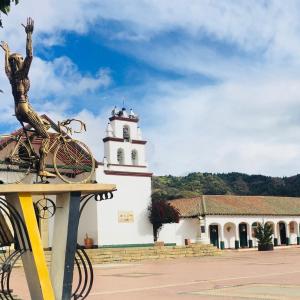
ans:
(244, 229)
(282, 233)
(293, 232)
(229, 235)
(215, 234)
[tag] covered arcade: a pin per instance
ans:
(229, 221)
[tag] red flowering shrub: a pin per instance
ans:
(161, 212)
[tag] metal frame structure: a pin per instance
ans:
(82, 261)
(67, 255)
(7, 265)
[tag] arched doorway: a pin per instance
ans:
(243, 235)
(214, 234)
(282, 233)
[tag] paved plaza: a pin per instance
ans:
(233, 275)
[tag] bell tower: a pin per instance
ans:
(124, 148)
(123, 220)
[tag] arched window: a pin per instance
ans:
(134, 157)
(120, 156)
(126, 133)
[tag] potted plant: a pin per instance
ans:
(263, 233)
(187, 242)
(88, 242)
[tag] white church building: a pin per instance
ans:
(122, 220)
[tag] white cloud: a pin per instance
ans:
(248, 24)
(247, 121)
(222, 128)
(272, 26)
(61, 77)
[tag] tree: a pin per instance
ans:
(161, 212)
(5, 7)
(263, 233)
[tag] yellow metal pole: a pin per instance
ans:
(36, 245)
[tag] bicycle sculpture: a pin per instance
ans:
(72, 161)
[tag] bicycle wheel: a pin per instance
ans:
(73, 162)
(15, 161)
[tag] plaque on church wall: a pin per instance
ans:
(125, 217)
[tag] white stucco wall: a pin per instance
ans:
(228, 229)
(111, 150)
(178, 232)
(117, 126)
(88, 223)
(132, 197)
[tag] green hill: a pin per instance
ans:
(172, 187)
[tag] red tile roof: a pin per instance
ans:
(237, 205)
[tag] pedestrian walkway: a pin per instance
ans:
(236, 275)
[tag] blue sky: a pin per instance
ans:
(216, 83)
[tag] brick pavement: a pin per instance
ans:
(234, 275)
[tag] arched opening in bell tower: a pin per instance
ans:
(126, 133)
(120, 156)
(134, 157)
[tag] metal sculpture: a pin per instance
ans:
(73, 161)
(17, 69)
(45, 208)
(9, 254)
(83, 264)
(82, 284)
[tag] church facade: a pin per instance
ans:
(123, 220)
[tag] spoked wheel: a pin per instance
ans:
(46, 208)
(15, 161)
(74, 162)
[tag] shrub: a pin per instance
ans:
(263, 233)
(161, 212)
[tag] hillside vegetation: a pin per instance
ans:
(194, 184)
